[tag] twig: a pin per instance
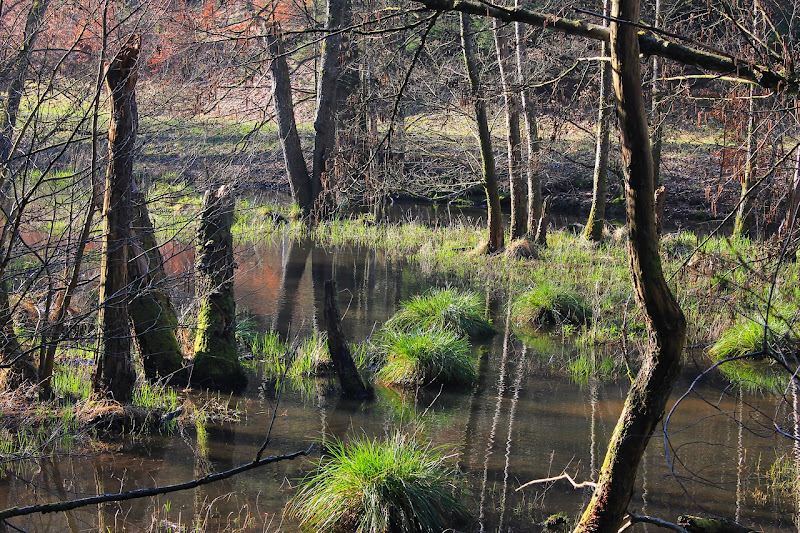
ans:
(575, 485)
(144, 493)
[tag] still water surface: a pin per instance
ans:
(522, 421)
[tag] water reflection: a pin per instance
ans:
(521, 421)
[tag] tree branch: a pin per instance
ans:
(144, 493)
(575, 485)
(649, 42)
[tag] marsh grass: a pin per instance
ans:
(422, 357)
(445, 308)
(377, 486)
(547, 305)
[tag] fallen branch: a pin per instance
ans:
(634, 518)
(575, 485)
(144, 493)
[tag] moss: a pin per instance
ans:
(154, 323)
(216, 360)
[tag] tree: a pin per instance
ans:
(115, 375)
(597, 215)
(666, 324)
(494, 222)
(216, 359)
(511, 96)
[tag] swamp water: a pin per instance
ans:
(522, 421)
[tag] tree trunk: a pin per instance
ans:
(505, 58)
(597, 215)
(18, 70)
(346, 370)
(494, 218)
(115, 375)
(788, 225)
(666, 324)
(325, 115)
(216, 360)
(744, 225)
(299, 179)
(20, 369)
(533, 144)
(151, 311)
(656, 100)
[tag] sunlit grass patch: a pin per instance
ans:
(759, 373)
(463, 312)
(377, 486)
(547, 304)
(424, 356)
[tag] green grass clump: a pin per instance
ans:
(371, 486)
(548, 304)
(422, 357)
(758, 373)
(443, 308)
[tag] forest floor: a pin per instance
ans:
(441, 163)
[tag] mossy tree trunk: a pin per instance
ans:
(349, 378)
(115, 375)
(151, 311)
(597, 215)
(216, 360)
(657, 98)
(494, 218)
(508, 72)
(666, 324)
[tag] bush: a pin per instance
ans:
(445, 309)
(548, 304)
(421, 357)
(371, 486)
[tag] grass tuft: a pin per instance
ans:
(443, 308)
(548, 304)
(422, 357)
(371, 486)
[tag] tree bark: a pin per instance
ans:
(597, 215)
(325, 114)
(299, 179)
(20, 369)
(495, 242)
(151, 311)
(216, 360)
(349, 378)
(505, 59)
(666, 324)
(533, 143)
(115, 375)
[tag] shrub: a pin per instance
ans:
(421, 357)
(376, 486)
(548, 304)
(446, 309)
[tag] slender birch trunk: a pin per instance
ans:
(505, 58)
(597, 215)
